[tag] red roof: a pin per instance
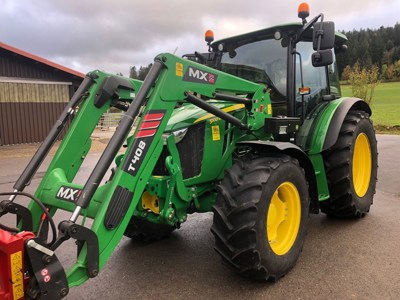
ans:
(41, 60)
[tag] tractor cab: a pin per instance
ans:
(299, 70)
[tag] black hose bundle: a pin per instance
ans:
(43, 208)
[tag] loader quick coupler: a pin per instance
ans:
(49, 279)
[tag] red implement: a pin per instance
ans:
(12, 264)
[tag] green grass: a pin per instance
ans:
(385, 105)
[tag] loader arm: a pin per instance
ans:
(149, 105)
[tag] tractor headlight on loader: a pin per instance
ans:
(178, 134)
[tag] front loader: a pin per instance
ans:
(255, 131)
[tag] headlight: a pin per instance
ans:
(179, 135)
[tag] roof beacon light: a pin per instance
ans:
(304, 11)
(209, 37)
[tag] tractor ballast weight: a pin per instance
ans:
(251, 140)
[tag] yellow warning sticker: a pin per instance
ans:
(215, 133)
(269, 109)
(179, 69)
(16, 275)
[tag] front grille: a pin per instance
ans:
(190, 148)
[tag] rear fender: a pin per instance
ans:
(267, 147)
(320, 130)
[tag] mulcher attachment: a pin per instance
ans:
(12, 268)
(29, 268)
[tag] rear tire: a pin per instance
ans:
(142, 230)
(351, 168)
(261, 215)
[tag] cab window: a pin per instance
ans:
(261, 61)
(313, 77)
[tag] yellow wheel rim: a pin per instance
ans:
(362, 165)
(283, 218)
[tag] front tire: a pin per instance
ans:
(261, 215)
(351, 168)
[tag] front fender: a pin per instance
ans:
(268, 147)
(321, 128)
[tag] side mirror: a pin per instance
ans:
(322, 58)
(325, 33)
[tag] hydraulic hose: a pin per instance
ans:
(42, 207)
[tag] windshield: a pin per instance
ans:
(262, 61)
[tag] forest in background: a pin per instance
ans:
(372, 47)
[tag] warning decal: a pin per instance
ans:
(269, 109)
(179, 69)
(16, 275)
(215, 133)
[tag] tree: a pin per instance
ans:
(346, 73)
(390, 72)
(384, 69)
(133, 73)
(396, 54)
(397, 68)
(371, 47)
(377, 48)
(143, 71)
(363, 81)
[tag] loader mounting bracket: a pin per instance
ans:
(109, 88)
(81, 234)
(23, 214)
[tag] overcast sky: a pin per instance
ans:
(114, 35)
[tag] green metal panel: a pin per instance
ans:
(312, 133)
(311, 138)
(320, 176)
(189, 114)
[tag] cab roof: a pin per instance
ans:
(268, 33)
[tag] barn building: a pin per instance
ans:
(33, 93)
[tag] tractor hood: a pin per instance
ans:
(189, 114)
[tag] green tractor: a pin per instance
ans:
(255, 130)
